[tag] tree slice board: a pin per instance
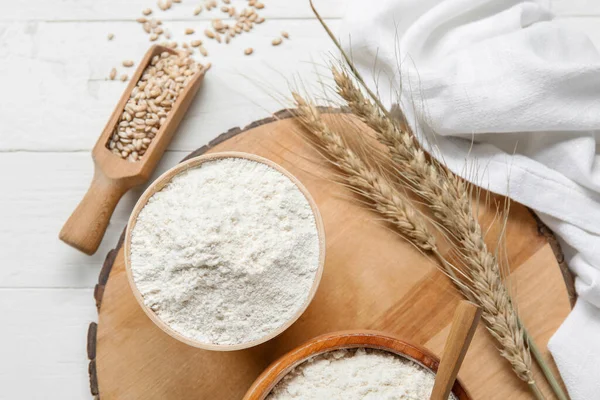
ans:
(373, 279)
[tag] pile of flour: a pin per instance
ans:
(356, 374)
(226, 252)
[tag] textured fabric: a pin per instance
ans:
(526, 90)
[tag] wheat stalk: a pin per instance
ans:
(449, 198)
(518, 352)
(486, 290)
(398, 210)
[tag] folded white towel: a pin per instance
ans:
(527, 90)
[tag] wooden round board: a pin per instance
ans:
(372, 279)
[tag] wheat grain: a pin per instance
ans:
(164, 4)
(150, 102)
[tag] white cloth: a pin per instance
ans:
(527, 91)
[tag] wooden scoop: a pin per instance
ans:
(463, 328)
(113, 176)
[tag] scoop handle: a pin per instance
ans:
(85, 228)
(463, 328)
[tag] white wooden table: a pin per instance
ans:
(54, 58)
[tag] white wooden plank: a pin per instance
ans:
(576, 7)
(95, 10)
(43, 343)
(61, 100)
(39, 192)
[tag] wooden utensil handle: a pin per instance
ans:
(85, 228)
(462, 330)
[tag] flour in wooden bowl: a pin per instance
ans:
(227, 252)
(356, 374)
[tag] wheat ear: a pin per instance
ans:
(557, 389)
(449, 199)
(365, 180)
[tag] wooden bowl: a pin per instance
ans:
(266, 381)
(160, 183)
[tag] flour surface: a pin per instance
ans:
(227, 252)
(356, 374)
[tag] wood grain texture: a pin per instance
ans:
(117, 10)
(58, 104)
(114, 176)
(372, 280)
(75, 98)
(343, 340)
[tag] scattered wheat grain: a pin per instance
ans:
(164, 4)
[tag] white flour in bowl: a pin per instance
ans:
(356, 374)
(226, 252)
